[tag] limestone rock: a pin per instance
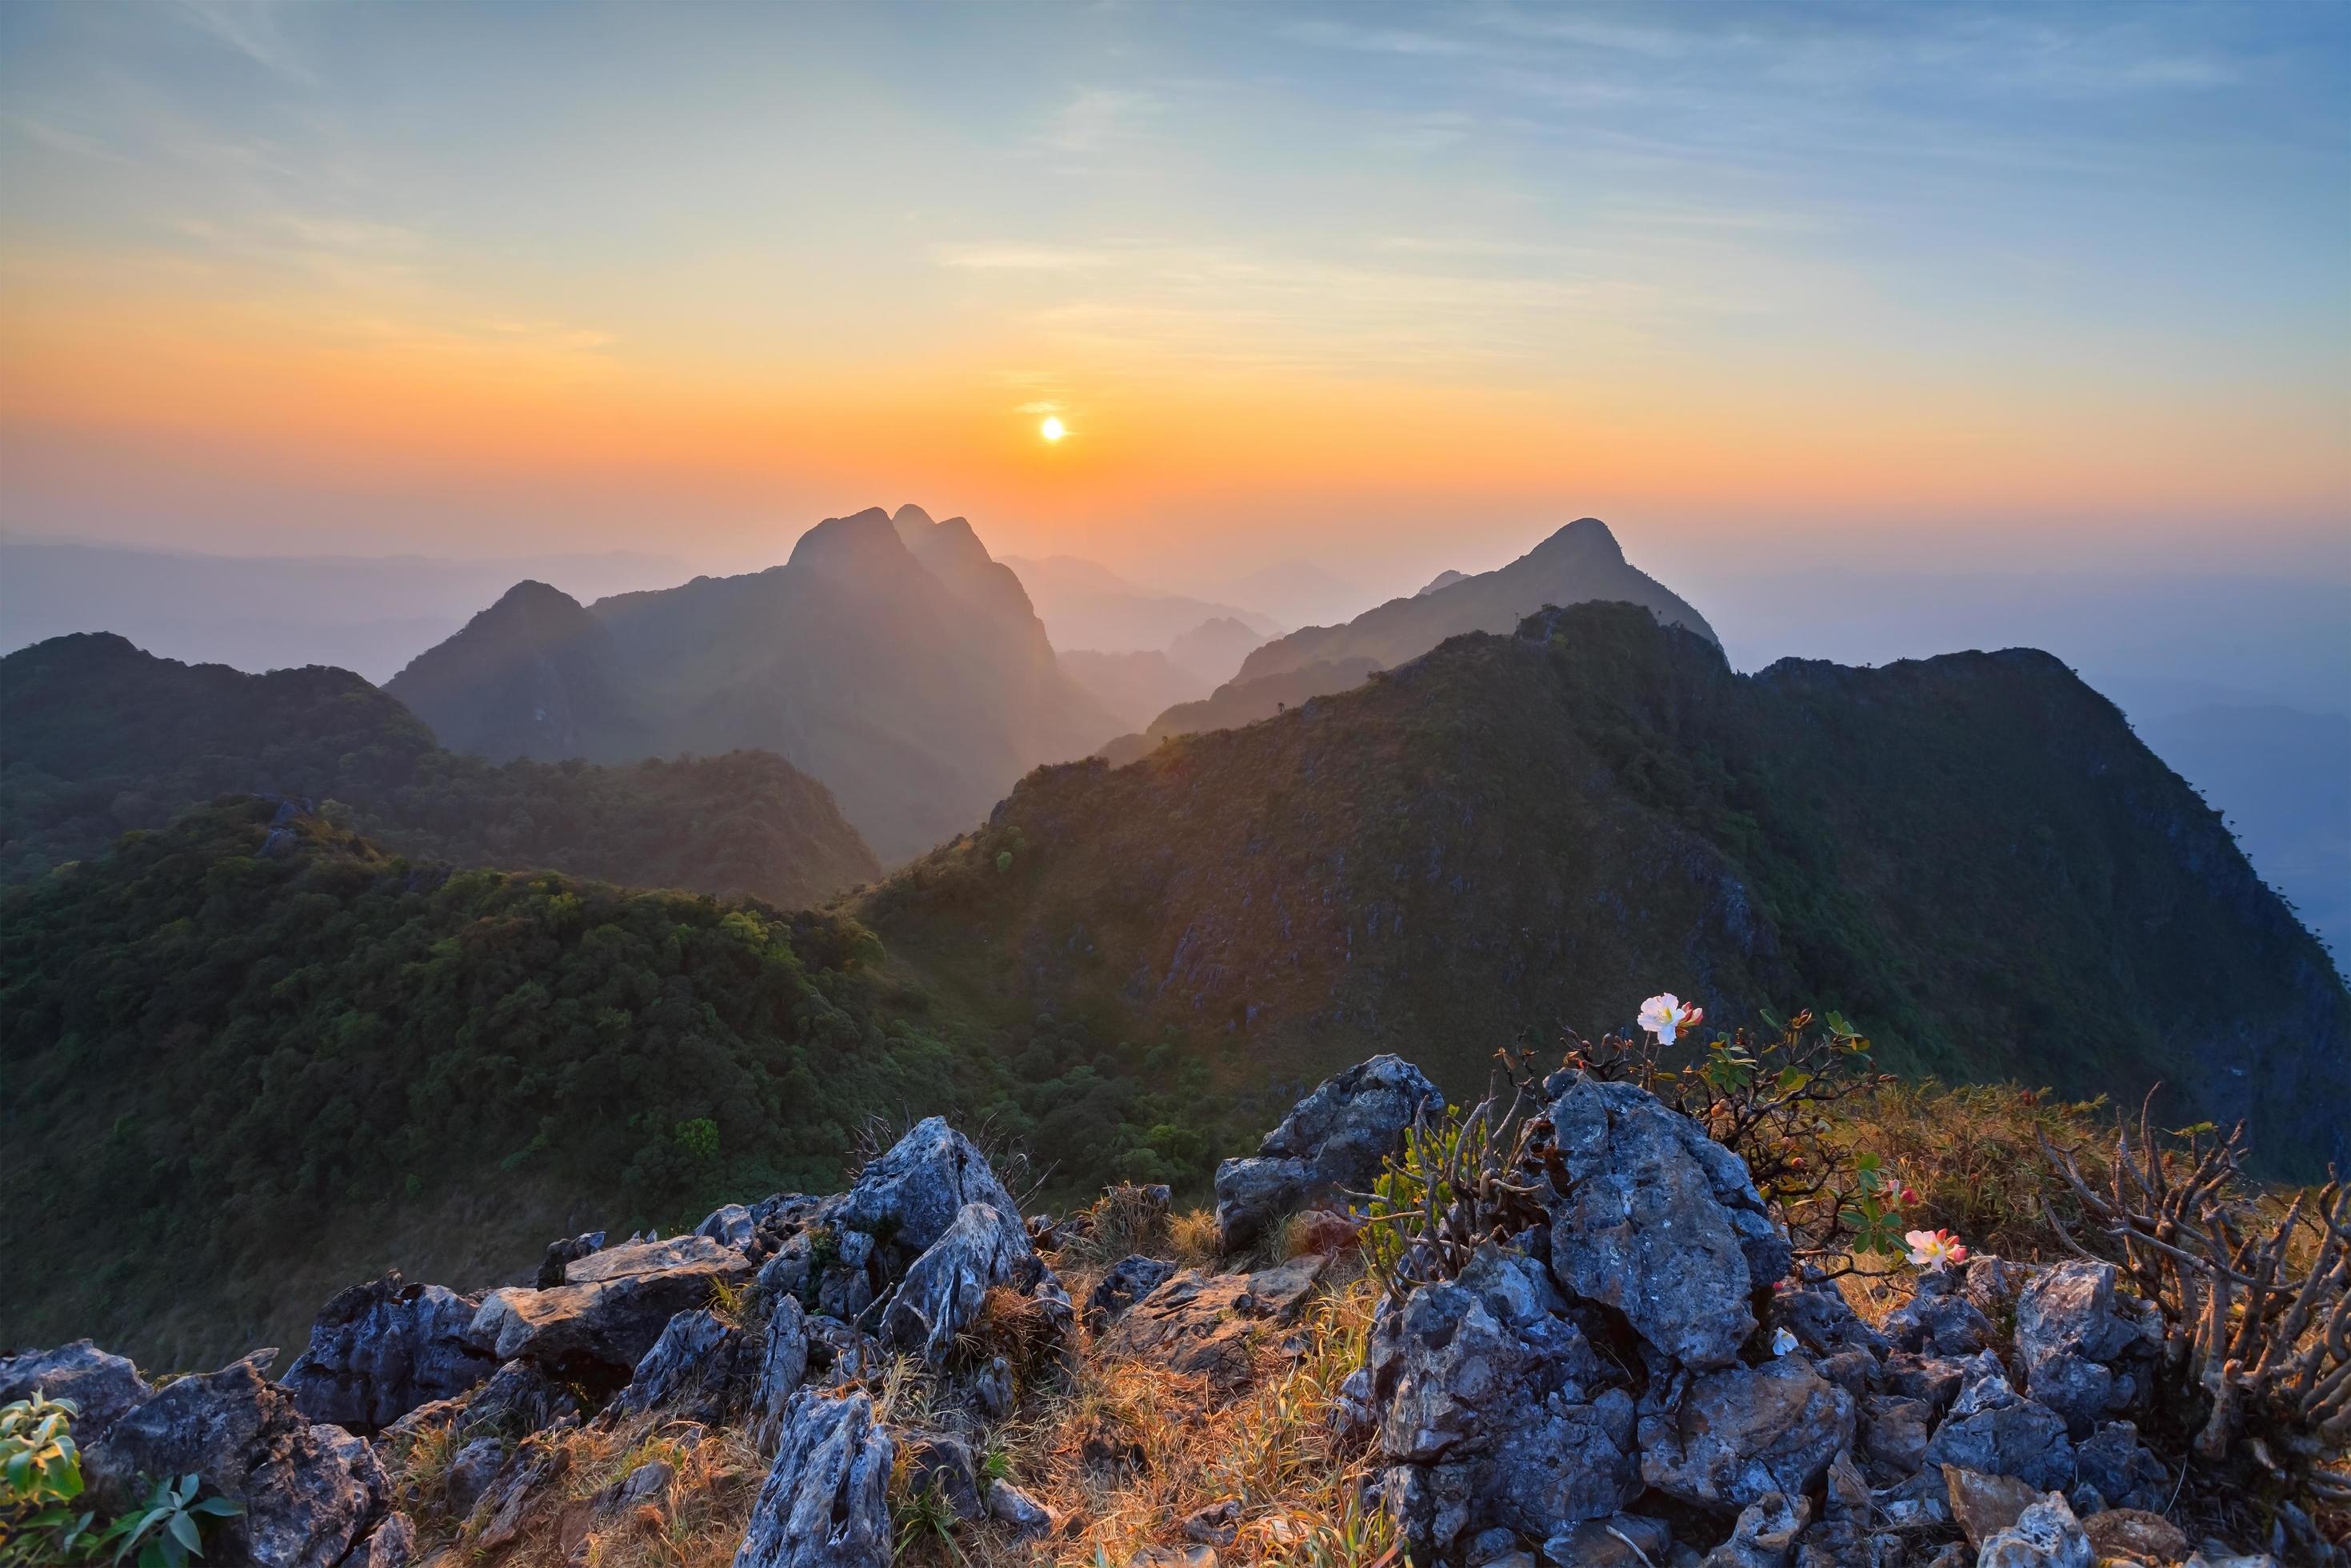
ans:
(1894, 1431)
(616, 1303)
(379, 1350)
(519, 1398)
(1738, 1435)
(2046, 1536)
(2125, 1474)
(561, 1254)
(1335, 1139)
(1125, 1282)
(1982, 1505)
(1996, 1431)
(695, 1368)
(1660, 1222)
(783, 1363)
(2084, 1349)
(310, 1492)
(2135, 1535)
(104, 1387)
(1765, 1534)
(1939, 1320)
(1620, 1541)
(1007, 1504)
(730, 1225)
(825, 1503)
(471, 1470)
(942, 1288)
(915, 1191)
(1203, 1322)
(391, 1545)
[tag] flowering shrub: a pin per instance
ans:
(1934, 1248)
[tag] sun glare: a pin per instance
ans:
(1051, 428)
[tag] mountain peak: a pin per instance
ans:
(862, 541)
(1586, 536)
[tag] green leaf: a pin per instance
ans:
(185, 1529)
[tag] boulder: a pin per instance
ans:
(2124, 1472)
(1123, 1284)
(943, 1286)
(730, 1225)
(311, 1491)
(1658, 1221)
(1981, 1505)
(1008, 1505)
(1938, 1320)
(2046, 1536)
(616, 1302)
(1332, 1142)
(697, 1368)
(1935, 1380)
(1738, 1435)
(783, 1363)
(913, 1193)
(2084, 1351)
(1765, 1534)
(2135, 1535)
(1894, 1431)
(471, 1472)
(825, 1503)
(1824, 1322)
(561, 1254)
(1996, 1431)
(104, 1387)
(1201, 1322)
(519, 1398)
(379, 1350)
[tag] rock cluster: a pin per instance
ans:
(1647, 1361)
(1641, 1376)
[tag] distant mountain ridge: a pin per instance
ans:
(889, 656)
(102, 737)
(1084, 604)
(1972, 855)
(1578, 563)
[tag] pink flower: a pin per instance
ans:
(1934, 1248)
(1909, 1197)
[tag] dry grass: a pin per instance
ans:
(1271, 1449)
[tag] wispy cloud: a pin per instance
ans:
(1099, 118)
(993, 258)
(250, 27)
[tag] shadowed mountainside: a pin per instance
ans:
(890, 657)
(102, 737)
(1972, 853)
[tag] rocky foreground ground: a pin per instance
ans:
(910, 1369)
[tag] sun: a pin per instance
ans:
(1051, 428)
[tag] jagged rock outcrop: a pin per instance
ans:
(942, 1289)
(697, 1368)
(1199, 1321)
(2085, 1351)
(614, 1305)
(1731, 1438)
(312, 1493)
(380, 1350)
(1334, 1140)
(1993, 1428)
(825, 1503)
(1666, 1227)
(1123, 1284)
(104, 1387)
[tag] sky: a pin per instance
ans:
(1389, 287)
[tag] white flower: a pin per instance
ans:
(1663, 1015)
(1782, 1341)
(1934, 1249)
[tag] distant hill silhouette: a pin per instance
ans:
(1970, 855)
(1579, 563)
(890, 657)
(1134, 688)
(1084, 604)
(1214, 648)
(102, 737)
(1442, 580)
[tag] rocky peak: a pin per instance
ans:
(863, 545)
